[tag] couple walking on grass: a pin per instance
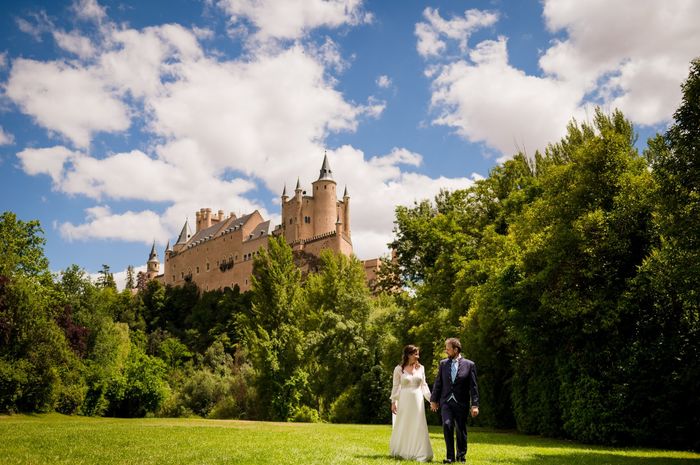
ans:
(454, 385)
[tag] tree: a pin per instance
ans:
(106, 278)
(130, 278)
(273, 331)
(339, 306)
(22, 247)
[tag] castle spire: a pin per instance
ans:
(284, 191)
(298, 188)
(326, 173)
(345, 194)
(184, 234)
(167, 247)
(153, 255)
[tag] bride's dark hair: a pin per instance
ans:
(408, 350)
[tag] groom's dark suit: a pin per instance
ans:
(453, 397)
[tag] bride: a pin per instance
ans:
(409, 437)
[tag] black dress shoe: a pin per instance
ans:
(447, 461)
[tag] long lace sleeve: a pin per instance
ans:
(424, 386)
(396, 386)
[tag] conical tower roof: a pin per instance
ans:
(168, 248)
(326, 172)
(153, 256)
(284, 191)
(184, 234)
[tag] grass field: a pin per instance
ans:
(56, 439)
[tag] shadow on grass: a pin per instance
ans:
(376, 457)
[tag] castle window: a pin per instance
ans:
(173, 278)
(197, 270)
(325, 187)
(182, 275)
(290, 221)
(307, 219)
(207, 266)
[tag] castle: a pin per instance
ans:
(220, 252)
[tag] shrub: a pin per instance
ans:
(305, 414)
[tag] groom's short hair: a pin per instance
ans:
(454, 343)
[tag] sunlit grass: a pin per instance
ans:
(57, 439)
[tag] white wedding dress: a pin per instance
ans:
(409, 436)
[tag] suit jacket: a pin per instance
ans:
(463, 385)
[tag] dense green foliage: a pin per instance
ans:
(572, 278)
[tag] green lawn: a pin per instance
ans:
(56, 439)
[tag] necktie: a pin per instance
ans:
(454, 370)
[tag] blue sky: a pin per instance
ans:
(118, 120)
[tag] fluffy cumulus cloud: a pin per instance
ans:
(435, 29)
(489, 101)
(89, 10)
(633, 55)
(292, 19)
(103, 224)
(66, 98)
(619, 56)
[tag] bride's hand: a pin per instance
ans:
(393, 408)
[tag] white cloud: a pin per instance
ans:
(138, 61)
(384, 81)
(103, 224)
(329, 55)
(458, 29)
(263, 117)
(37, 25)
(89, 10)
(49, 161)
(5, 137)
(65, 98)
(292, 19)
(635, 55)
(622, 55)
(75, 43)
(491, 102)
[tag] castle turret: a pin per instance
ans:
(152, 265)
(346, 212)
(185, 235)
(325, 201)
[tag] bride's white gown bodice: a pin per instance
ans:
(409, 437)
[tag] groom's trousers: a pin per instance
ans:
(454, 419)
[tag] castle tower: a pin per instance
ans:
(152, 265)
(325, 200)
(185, 235)
(346, 212)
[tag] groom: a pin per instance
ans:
(455, 381)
